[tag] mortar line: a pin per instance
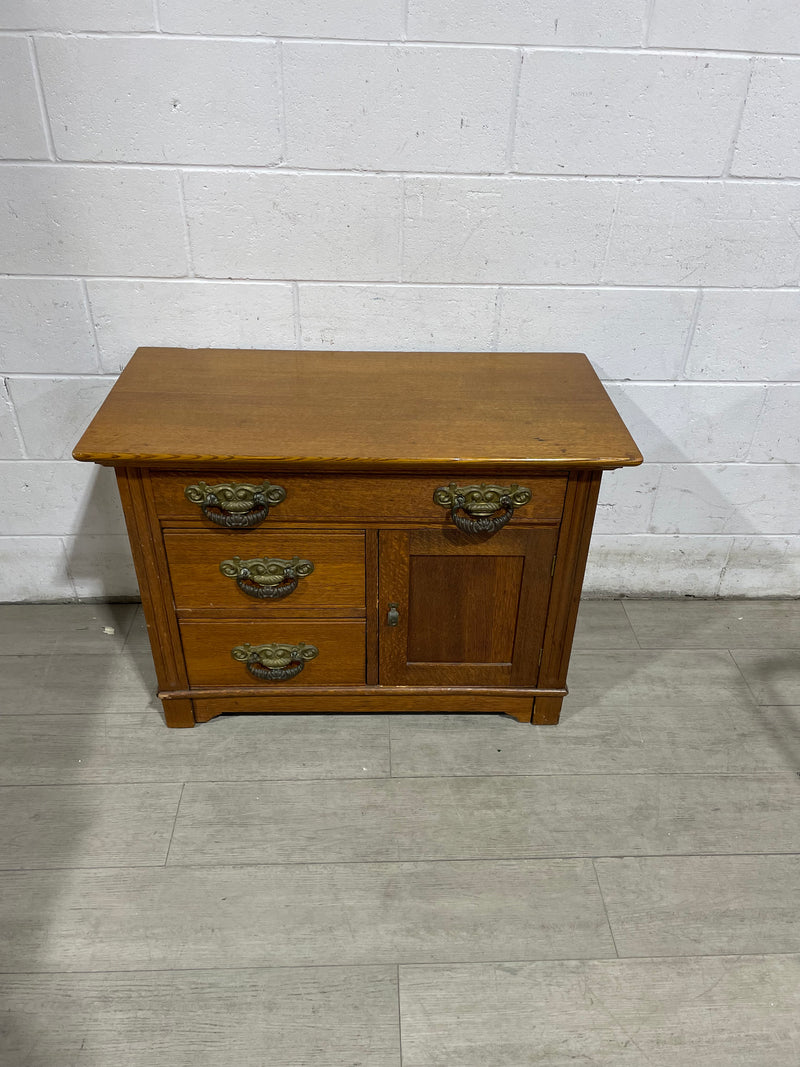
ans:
(654, 50)
(378, 283)
(518, 176)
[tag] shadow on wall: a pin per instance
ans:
(98, 553)
(682, 526)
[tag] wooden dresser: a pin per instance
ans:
(356, 532)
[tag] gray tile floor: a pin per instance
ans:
(622, 889)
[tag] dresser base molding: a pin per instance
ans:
(207, 703)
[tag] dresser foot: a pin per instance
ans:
(178, 713)
(546, 711)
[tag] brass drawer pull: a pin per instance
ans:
(275, 663)
(235, 504)
(267, 578)
(492, 505)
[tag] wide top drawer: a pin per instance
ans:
(243, 500)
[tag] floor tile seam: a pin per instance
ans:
(119, 716)
(766, 773)
(399, 1014)
(533, 859)
(691, 648)
(744, 679)
(86, 785)
(113, 867)
(50, 716)
(134, 618)
(490, 777)
(390, 969)
(174, 824)
(605, 909)
(630, 623)
(601, 959)
(391, 966)
(61, 651)
(188, 781)
(389, 746)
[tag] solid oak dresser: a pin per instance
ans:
(359, 532)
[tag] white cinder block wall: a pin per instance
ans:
(621, 178)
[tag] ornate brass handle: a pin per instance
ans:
(235, 504)
(267, 578)
(275, 663)
(488, 507)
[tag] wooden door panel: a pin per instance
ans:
(463, 609)
(471, 608)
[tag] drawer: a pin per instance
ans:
(334, 586)
(331, 498)
(340, 651)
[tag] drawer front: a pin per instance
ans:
(331, 498)
(340, 657)
(329, 577)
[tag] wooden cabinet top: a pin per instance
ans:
(357, 411)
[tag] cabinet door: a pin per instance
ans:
(469, 609)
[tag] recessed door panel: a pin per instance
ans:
(463, 609)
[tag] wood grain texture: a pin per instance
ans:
(714, 905)
(721, 1012)
(293, 915)
(571, 554)
(485, 817)
(86, 825)
(152, 573)
(340, 410)
(335, 587)
(546, 711)
(478, 604)
(41, 750)
(320, 1016)
(208, 646)
(353, 498)
(371, 593)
